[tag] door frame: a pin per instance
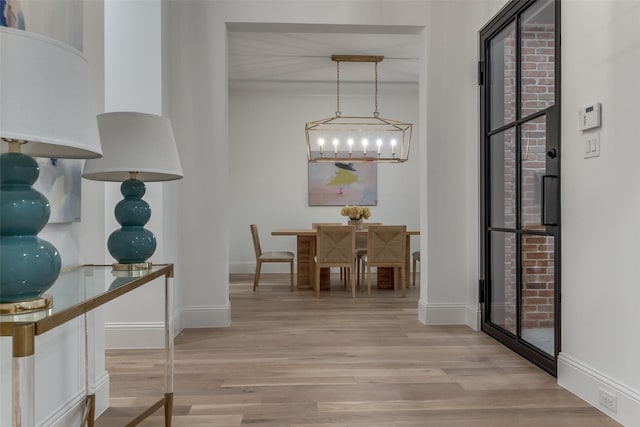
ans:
(510, 12)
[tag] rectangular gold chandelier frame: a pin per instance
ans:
(354, 139)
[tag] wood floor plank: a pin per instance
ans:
(291, 359)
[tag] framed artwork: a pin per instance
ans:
(60, 182)
(339, 184)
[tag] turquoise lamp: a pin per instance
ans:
(138, 148)
(45, 111)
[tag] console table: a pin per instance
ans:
(75, 293)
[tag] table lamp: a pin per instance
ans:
(46, 110)
(137, 147)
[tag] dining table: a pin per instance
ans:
(306, 252)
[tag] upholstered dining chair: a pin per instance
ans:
(270, 256)
(416, 260)
(386, 248)
(335, 247)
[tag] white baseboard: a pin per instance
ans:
(206, 316)
(70, 414)
(130, 335)
(448, 314)
(473, 316)
(587, 383)
(102, 393)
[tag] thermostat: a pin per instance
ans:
(590, 116)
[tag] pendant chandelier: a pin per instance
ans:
(353, 139)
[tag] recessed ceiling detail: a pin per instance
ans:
(271, 56)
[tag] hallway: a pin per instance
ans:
(290, 359)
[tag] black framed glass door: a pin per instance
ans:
(520, 168)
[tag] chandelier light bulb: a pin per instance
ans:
(350, 143)
(321, 144)
(365, 142)
(335, 145)
(393, 146)
(379, 144)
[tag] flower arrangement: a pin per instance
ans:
(356, 212)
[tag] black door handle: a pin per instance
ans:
(550, 200)
(552, 153)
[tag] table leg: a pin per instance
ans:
(305, 251)
(89, 371)
(89, 410)
(407, 257)
(168, 345)
(23, 375)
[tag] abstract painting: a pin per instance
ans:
(339, 184)
(60, 183)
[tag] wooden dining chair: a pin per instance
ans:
(361, 250)
(416, 260)
(270, 256)
(386, 247)
(335, 247)
(343, 272)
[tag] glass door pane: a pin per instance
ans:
(537, 55)
(502, 66)
(533, 147)
(538, 291)
(504, 281)
(503, 179)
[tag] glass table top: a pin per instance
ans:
(81, 289)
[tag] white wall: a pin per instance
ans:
(133, 60)
(268, 168)
(601, 206)
(452, 163)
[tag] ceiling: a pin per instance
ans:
(302, 53)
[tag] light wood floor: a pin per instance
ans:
(291, 359)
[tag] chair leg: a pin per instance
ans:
(291, 274)
(316, 284)
(353, 282)
(403, 273)
(256, 277)
(369, 279)
(414, 272)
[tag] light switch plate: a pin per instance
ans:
(592, 145)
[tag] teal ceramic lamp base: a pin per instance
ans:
(132, 245)
(30, 265)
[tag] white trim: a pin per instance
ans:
(448, 314)
(134, 335)
(586, 382)
(207, 316)
(102, 387)
(70, 413)
(473, 316)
